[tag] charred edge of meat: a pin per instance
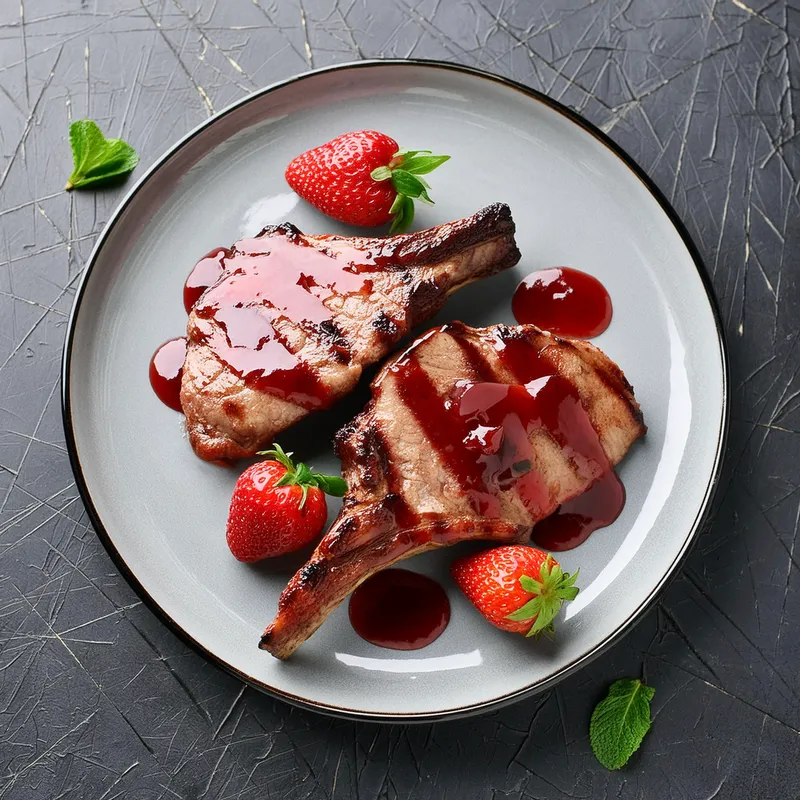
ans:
(347, 525)
(508, 333)
(336, 340)
(613, 377)
(284, 229)
(437, 244)
(390, 513)
(363, 445)
(312, 573)
(386, 326)
(419, 310)
(424, 300)
(233, 409)
(373, 457)
(342, 438)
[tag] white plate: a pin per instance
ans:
(577, 200)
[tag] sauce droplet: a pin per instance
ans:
(166, 370)
(399, 609)
(206, 273)
(574, 522)
(564, 301)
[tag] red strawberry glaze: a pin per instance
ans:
(257, 282)
(574, 522)
(564, 301)
(166, 369)
(207, 271)
(482, 433)
(399, 609)
(265, 280)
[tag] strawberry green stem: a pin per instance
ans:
(549, 593)
(300, 475)
(403, 171)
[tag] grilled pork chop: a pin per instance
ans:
(293, 319)
(470, 434)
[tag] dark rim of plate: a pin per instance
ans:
(450, 713)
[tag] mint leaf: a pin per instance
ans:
(620, 722)
(96, 159)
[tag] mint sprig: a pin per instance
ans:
(300, 475)
(97, 160)
(620, 722)
(549, 593)
(403, 171)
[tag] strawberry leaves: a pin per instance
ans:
(549, 593)
(403, 211)
(411, 186)
(620, 722)
(403, 171)
(97, 160)
(300, 475)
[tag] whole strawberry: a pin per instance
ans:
(363, 178)
(517, 588)
(278, 507)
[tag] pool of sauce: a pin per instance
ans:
(399, 609)
(166, 370)
(575, 521)
(564, 301)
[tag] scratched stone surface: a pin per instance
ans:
(99, 700)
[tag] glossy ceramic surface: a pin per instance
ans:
(161, 511)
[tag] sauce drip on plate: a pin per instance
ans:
(564, 301)
(166, 369)
(207, 271)
(399, 609)
(575, 521)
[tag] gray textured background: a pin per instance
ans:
(99, 700)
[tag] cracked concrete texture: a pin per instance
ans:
(98, 699)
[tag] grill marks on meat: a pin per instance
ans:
(470, 434)
(293, 319)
